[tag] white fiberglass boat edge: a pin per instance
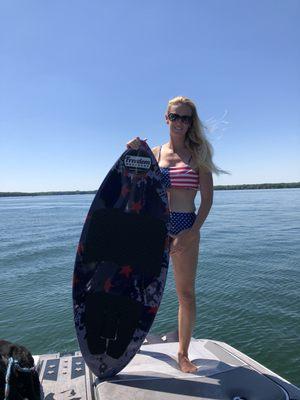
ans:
(224, 373)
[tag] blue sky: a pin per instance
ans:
(78, 79)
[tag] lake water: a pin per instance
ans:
(248, 279)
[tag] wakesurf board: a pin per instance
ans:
(121, 263)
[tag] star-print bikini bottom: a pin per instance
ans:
(180, 221)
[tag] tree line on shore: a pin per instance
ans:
(259, 186)
(218, 187)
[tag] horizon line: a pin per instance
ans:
(282, 185)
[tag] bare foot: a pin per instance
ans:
(185, 364)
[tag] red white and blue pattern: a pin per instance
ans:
(179, 221)
(180, 177)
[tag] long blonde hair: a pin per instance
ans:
(196, 140)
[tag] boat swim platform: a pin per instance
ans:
(223, 373)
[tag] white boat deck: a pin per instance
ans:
(223, 373)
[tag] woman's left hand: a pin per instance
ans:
(184, 240)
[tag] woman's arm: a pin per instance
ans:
(155, 151)
(206, 192)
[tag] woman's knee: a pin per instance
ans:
(186, 297)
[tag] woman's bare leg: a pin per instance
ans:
(185, 266)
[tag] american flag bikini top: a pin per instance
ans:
(179, 177)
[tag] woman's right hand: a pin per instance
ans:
(135, 143)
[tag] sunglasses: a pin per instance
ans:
(186, 119)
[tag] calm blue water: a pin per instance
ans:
(247, 283)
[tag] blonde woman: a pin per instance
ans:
(186, 165)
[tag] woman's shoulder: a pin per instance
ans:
(160, 147)
(156, 150)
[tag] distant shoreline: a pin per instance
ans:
(291, 185)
